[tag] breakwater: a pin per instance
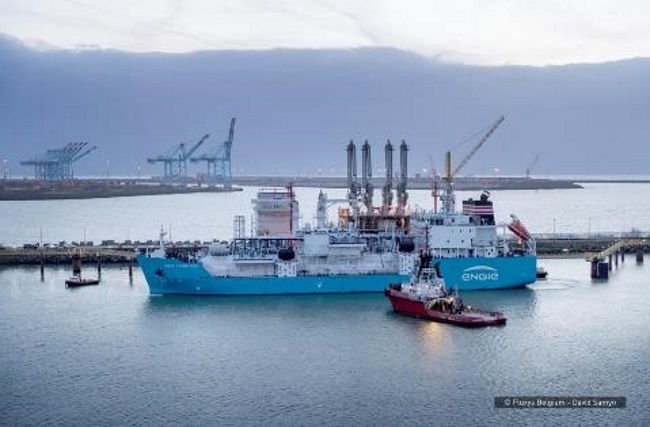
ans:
(26, 189)
(413, 183)
(36, 256)
(125, 253)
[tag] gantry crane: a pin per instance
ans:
(219, 161)
(175, 160)
(56, 164)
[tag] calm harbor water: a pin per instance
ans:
(113, 355)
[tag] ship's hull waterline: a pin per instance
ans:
(172, 276)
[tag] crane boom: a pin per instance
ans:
(448, 198)
(469, 155)
(193, 149)
(84, 154)
(231, 133)
(532, 165)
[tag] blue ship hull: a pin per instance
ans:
(172, 276)
(488, 273)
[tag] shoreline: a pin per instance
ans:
(29, 189)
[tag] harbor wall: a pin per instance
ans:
(118, 253)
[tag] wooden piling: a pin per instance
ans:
(42, 267)
(76, 263)
(600, 269)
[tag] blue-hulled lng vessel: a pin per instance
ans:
(368, 248)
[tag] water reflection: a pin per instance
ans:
(290, 306)
(515, 303)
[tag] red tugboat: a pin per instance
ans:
(426, 297)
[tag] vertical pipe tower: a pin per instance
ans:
(366, 176)
(387, 194)
(353, 185)
(402, 195)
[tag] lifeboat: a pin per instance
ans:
(518, 228)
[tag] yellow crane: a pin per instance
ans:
(447, 198)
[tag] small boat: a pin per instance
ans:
(541, 273)
(426, 297)
(79, 281)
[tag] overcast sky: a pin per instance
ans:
(490, 32)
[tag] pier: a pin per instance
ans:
(603, 262)
(110, 253)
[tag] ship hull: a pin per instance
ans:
(488, 273)
(171, 276)
(402, 304)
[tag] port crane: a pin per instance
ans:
(478, 145)
(531, 166)
(175, 160)
(447, 198)
(56, 164)
(219, 160)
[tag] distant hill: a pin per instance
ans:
(296, 110)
